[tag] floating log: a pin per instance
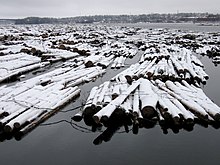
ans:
(109, 109)
(177, 65)
(49, 113)
(88, 109)
(136, 104)
(193, 106)
(103, 92)
(148, 99)
(116, 91)
(203, 100)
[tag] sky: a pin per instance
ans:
(71, 8)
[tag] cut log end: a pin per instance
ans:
(217, 117)
(104, 119)
(162, 122)
(148, 112)
(17, 125)
(176, 120)
(189, 121)
(96, 119)
(8, 128)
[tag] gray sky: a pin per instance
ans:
(67, 8)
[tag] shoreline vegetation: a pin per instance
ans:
(163, 86)
(145, 18)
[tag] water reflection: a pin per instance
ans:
(122, 123)
(119, 122)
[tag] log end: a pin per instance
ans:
(89, 64)
(166, 116)
(8, 128)
(96, 119)
(148, 112)
(189, 121)
(88, 110)
(217, 117)
(17, 125)
(162, 122)
(176, 120)
(104, 119)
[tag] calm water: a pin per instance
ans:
(63, 143)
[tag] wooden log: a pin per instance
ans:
(107, 97)
(171, 72)
(196, 61)
(141, 69)
(45, 116)
(201, 72)
(148, 68)
(150, 72)
(130, 71)
(187, 115)
(177, 65)
(102, 92)
(126, 105)
(109, 109)
(204, 101)
(12, 116)
(164, 110)
(148, 99)
(136, 103)
(8, 107)
(116, 91)
(188, 77)
(106, 61)
(192, 105)
(200, 99)
(24, 117)
(30, 114)
(95, 95)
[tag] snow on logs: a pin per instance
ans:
(27, 103)
(175, 101)
(171, 100)
(16, 64)
(175, 66)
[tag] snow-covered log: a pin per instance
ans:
(106, 112)
(148, 99)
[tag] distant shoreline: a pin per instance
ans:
(145, 18)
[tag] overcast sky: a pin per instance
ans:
(68, 8)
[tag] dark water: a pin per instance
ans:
(67, 144)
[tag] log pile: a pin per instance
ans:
(17, 64)
(175, 66)
(163, 86)
(28, 103)
(176, 101)
(63, 43)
